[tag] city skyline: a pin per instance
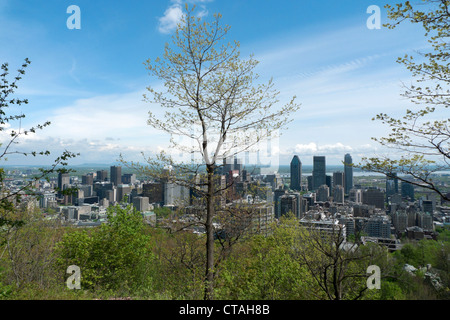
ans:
(89, 82)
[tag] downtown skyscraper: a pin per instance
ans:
(116, 175)
(348, 173)
(319, 176)
(296, 174)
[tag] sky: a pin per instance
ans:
(89, 82)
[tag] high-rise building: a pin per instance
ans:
(428, 206)
(102, 175)
(323, 192)
(407, 190)
(374, 197)
(378, 226)
(116, 175)
(355, 195)
(296, 174)
(129, 178)
(338, 178)
(289, 203)
(391, 185)
(310, 199)
(338, 194)
(87, 179)
(141, 204)
(425, 220)
(101, 188)
(275, 180)
(328, 180)
(400, 221)
(154, 192)
(348, 173)
(175, 195)
(122, 191)
(63, 181)
(319, 172)
(277, 194)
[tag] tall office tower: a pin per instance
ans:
(87, 179)
(116, 175)
(407, 190)
(102, 175)
(348, 173)
(289, 204)
(391, 185)
(338, 178)
(319, 172)
(277, 194)
(63, 180)
(296, 174)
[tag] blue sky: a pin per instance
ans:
(89, 82)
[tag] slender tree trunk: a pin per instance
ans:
(209, 274)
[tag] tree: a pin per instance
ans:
(337, 267)
(27, 252)
(267, 267)
(114, 256)
(211, 101)
(421, 135)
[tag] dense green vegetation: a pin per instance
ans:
(126, 258)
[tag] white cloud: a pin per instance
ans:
(172, 16)
(313, 148)
(174, 13)
(100, 128)
(309, 148)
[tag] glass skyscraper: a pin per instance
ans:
(319, 172)
(296, 174)
(348, 173)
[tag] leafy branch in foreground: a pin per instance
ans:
(421, 136)
(9, 199)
